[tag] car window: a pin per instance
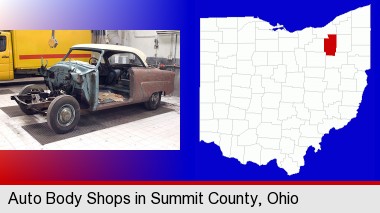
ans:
(3, 43)
(97, 55)
(125, 58)
(84, 55)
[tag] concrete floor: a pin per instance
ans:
(157, 132)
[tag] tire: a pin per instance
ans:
(25, 90)
(154, 101)
(63, 114)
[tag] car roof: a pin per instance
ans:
(112, 47)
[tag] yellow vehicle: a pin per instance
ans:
(21, 50)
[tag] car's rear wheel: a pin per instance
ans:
(154, 101)
(28, 89)
(63, 114)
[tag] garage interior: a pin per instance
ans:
(122, 128)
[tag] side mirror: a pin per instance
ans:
(42, 62)
(43, 69)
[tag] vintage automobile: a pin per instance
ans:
(114, 76)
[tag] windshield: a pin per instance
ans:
(88, 56)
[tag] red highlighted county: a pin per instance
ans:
(330, 45)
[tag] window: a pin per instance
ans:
(125, 58)
(3, 43)
(97, 56)
(84, 55)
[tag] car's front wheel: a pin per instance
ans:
(28, 89)
(154, 101)
(63, 114)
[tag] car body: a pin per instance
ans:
(101, 83)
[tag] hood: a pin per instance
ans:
(79, 67)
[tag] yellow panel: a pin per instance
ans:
(6, 65)
(30, 45)
(11, 73)
(4, 76)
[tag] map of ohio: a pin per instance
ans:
(267, 93)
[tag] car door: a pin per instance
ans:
(4, 56)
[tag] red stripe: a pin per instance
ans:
(23, 57)
(14, 182)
